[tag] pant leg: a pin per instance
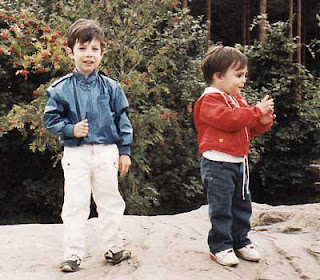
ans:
(241, 212)
(219, 180)
(110, 204)
(77, 195)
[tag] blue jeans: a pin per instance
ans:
(229, 214)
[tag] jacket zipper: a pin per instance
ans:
(77, 106)
(92, 129)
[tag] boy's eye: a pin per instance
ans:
(242, 75)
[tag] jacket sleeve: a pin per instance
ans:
(55, 119)
(215, 112)
(125, 131)
(259, 129)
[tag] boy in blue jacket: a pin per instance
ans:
(89, 113)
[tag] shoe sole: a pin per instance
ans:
(213, 257)
(246, 258)
(68, 268)
(118, 257)
(125, 255)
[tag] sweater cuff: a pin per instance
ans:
(68, 130)
(125, 150)
(259, 112)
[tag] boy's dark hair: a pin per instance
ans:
(84, 30)
(218, 59)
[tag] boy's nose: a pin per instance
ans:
(89, 53)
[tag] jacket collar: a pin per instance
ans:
(80, 77)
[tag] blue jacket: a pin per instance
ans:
(97, 98)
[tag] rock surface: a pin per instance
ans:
(172, 248)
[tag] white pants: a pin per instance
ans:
(90, 169)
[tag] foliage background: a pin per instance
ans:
(281, 172)
(154, 51)
(154, 54)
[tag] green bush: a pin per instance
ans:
(282, 157)
(153, 50)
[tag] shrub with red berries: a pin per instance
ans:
(152, 50)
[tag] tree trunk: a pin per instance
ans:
(209, 37)
(185, 3)
(290, 24)
(244, 22)
(299, 31)
(248, 20)
(263, 31)
(304, 33)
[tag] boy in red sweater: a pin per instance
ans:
(225, 123)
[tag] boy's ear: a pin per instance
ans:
(70, 52)
(217, 76)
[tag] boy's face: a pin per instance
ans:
(86, 56)
(231, 82)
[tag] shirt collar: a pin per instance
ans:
(215, 90)
(212, 90)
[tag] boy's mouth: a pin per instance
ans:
(89, 62)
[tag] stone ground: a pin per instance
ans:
(172, 248)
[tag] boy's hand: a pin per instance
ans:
(81, 129)
(265, 105)
(267, 118)
(124, 164)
